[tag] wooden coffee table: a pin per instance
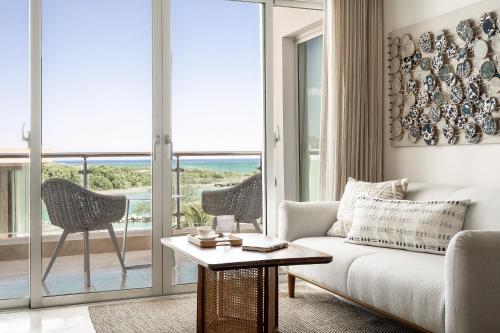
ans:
(238, 290)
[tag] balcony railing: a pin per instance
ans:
(85, 161)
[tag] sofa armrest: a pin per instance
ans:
(472, 282)
(306, 219)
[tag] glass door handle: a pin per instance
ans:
(156, 143)
(168, 141)
(25, 135)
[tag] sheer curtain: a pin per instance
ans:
(352, 124)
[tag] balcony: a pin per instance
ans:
(126, 174)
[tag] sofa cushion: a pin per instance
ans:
(409, 285)
(334, 274)
(420, 226)
(393, 189)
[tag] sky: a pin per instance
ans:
(96, 81)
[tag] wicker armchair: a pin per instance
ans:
(244, 201)
(76, 209)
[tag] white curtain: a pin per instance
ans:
(351, 142)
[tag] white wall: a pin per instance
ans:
(287, 22)
(468, 165)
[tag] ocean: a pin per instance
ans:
(243, 165)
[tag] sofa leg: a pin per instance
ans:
(291, 286)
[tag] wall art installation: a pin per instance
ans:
(444, 79)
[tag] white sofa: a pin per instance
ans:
(458, 292)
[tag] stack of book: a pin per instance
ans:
(264, 245)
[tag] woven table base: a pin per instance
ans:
(238, 300)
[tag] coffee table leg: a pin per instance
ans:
(271, 300)
(200, 309)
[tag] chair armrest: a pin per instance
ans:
(472, 282)
(306, 219)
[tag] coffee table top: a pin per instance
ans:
(233, 257)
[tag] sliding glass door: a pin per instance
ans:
(96, 146)
(217, 120)
(14, 153)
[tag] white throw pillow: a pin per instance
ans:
(420, 226)
(392, 189)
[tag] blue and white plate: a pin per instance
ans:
(488, 70)
(473, 91)
(435, 113)
(467, 109)
(462, 54)
(411, 86)
(430, 83)
(456, 94)
(406, 65)
(470, 129)
(464, 69)
(488, 24)
(451, 51)
(450, 111)
(426, 42)
(437, 61)
(425, 64)
(437, 97)
(489, 105)
(422, 99)
(449, 134)
(464, 31)
(459, 122)
(441, 42)
(489, 124)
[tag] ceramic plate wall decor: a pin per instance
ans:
(475, 78)
(430, 83)
(479, 118)
(407, 65)
(399, 99)
(415, 131)
(450, 111)
(449, 134)
(425, 64)
(441, 42)
(480, 48)
(488, 24)
(427, 132)
(462, 54)
(408, 48)
(415, 58)
(466, 109)
(438, 98)
(435, 113)
(464, 69)
(422, 99)
(407, 121)
(456, 94)
(414, 113)
(410, 99)
(489, 105)
(445, 73)
(411, 138)
(451, 51)
(437, 61)
(470, 129)
(394, 49)
(459, 122)
(473, 91)
(411, 86)
(396, 84)
(395, 64)
(488, 70)
(397, 128)
(426, 42)
(489, 124)
(464, 31)
(472, 139)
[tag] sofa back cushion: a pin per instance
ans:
(420, 226)
(393, 189)
(483, 212)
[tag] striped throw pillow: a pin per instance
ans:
(420, 226)
(392, 189)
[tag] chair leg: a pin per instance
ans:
(214, 223)
(86, 257)
(55, 254)
(115, 245)
(257, 226)
(238, 227)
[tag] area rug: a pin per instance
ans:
(312, 310)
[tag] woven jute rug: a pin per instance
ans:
(312, 310)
